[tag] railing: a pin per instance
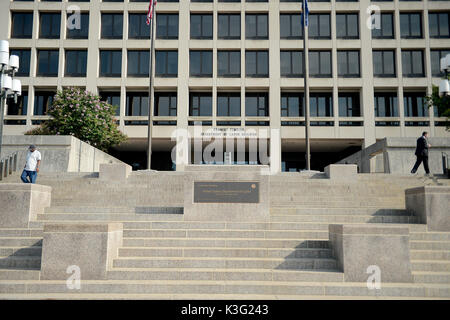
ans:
(445, 164)
(8, 165)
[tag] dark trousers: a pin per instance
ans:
(28, 176)
(419, 161)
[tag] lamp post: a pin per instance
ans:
(444, 85)
(9, 87)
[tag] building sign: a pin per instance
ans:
(226, 192)
(229, 133)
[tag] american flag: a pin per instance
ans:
(150, 11)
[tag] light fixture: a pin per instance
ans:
(445, 63)
(444, 87)
(4, 46)
(14, 62)
(17, 87)
(6, 82)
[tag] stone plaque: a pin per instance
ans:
(226, 192)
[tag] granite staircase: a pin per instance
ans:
(165, 257)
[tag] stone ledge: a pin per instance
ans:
(24, 187)
(366, 230)
(83, 227)
(428, 189)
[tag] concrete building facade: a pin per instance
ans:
(236, 65)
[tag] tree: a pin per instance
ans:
(441, 103)
(81, 114)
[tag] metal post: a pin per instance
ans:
(306, 68)
(150, 89)
(1, 112)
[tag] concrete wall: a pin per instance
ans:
(59, 153)
(396, 155)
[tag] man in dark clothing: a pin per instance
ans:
(422, 153)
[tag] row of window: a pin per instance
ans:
(229, 26)
(219, 0)
(229, 104)
(229, 63)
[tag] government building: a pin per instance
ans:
(236, 66)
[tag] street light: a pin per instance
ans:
(444, 85)
(9, 87)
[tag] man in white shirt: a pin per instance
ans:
(32, 164)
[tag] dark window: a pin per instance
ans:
(137, 104)
(201, 0)
(319, 26)
(349, 105)
(201, 26)
(76, 63)
(165, 104)
(348, 63)
(112, 25)
(137, 26)
(50, 25)
(320, 64)
(113, 98)
(229, 26)
(386, 30)
(229, 0)
(110, 63)
(412, 63)
(229, 64)
(257, 104)
(347, 26)
(166, 26)
(48, 63)
(22, 25)
(439, 24)
(291, 63)
(291, 26)
(436, 56)
(228, 104)
(42, 102)
(24, 58)
(257, 63)
(73, 32)
(256, 26)
(386, 104)
(200, 104)
(18, 108)
(410, 25)
(383, 63)
(138, 63)
(200, 63)
(292, 104)
(321, 104)
(256, 0)
(415, 105)
(166, 63)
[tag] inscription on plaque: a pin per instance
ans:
(226, 192)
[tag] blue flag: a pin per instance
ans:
(305, 12)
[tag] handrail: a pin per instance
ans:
(8, 165)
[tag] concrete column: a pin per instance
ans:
(430, 204)
(361, 249)
(20, 203)
(91, 247)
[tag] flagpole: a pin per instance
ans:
(306, 68)
(150, 89)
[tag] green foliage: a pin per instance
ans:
(81, 114)
(441, 103)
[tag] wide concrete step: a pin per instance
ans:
(323, 203)
(13, 232)
(224, 274)
(93, 209)
(430, 265)
(12, 274)
(339, 211)
(225, 252)
(429, 245)
(232, 288)
(430, 254)
(331, 218)
(20, 242)
(218, 233)
(225, 243)
(20, 262)
(107, 217)
(20, 251)
(430, 236)
(226, 263)
(431, 277)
